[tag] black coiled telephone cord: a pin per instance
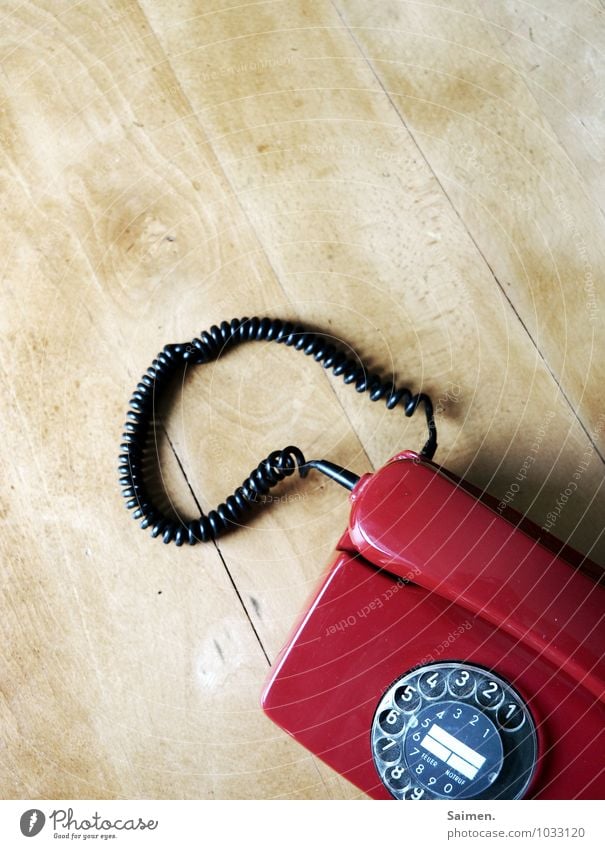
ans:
(279, 464)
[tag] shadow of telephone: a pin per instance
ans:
(451, 651)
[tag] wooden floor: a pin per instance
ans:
(425, 181)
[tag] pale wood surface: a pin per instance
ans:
(423, 180)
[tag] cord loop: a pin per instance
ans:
(210, 345)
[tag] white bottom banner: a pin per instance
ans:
(296, 824)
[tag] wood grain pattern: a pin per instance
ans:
(398, 175)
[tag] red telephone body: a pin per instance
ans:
(431, 587)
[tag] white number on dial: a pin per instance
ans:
(490, 690)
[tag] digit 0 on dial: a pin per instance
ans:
(453, 730)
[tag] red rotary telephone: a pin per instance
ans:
(449, 652)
